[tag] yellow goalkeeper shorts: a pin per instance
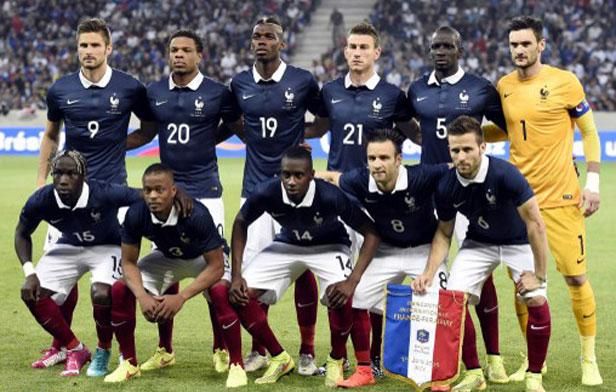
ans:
(567, 238)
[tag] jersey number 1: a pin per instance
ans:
(523, 122)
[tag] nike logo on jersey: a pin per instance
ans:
(275, 215)
(580, 261)
(506, 95)
(245, 97)
(70, 102)
(456, 205)
(419, 99)
(335, 101)
(370, 201)
(227, 326)
(536, 328)
(54, 221)
(158, 103)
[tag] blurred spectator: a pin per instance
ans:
(37, 39)
(580, 37)
(336, 23)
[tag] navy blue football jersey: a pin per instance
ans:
(187, 120)
(314, 221)
(353, 113)
(404, 217)
(93, 220)
(179, 237)
(490, 205)
(96, 119)
(436, 105)
(273, 118)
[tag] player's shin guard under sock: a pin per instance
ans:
(123, 308)
(469, 344)
(584, 308)
(487, 313)
(228, 322)
(538, 336)
(48, 315)
(165, 329)
(340, 323)
(102, 319)
(360, 334)
(217, 332)
(306, 302)
(67, 309)
(521, 312)
(376, 322)
(256, 345)
(254, 320)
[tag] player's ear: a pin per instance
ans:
(377, 53)
(108, 49)
(541, 45)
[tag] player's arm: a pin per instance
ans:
(141, 136)
(49, 147)
(238, 293)
(438, 251)
(227, 129)
(31, 288)
(329, 176)
(535, 227)
(410, 129)
(317, 128)
(170, 305)
(592, 151)
(132, 277)
(493, 133)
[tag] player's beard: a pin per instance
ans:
(529, 63)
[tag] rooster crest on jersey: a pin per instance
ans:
(96, 216)
(114, 103)
(490, 196)
(410, 202)
(544, 92)
(199, 104)
(289, 96)
(318, 219)
(184, 238)
(463, 97)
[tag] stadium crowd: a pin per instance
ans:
(37, 39)
(579, 37)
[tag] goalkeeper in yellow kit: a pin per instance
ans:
(542, 106)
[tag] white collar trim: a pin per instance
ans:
(402, 182)
(193, 85)
(308, 198)
(172, 219)
(276, 76)
(82, 202)
(481, 174)
(101, 83)
(370, 83)
(452, 79)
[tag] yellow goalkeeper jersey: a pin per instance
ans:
(540, 115)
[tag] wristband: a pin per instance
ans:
(28, 268)
(592, 182)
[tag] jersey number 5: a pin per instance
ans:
(441, 128)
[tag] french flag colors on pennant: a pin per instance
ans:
(423, 335)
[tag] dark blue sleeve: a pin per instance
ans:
(435, 172)
(322, 109)
(350, 184)
(403, 108)
(444, 206)
(410, 98)
(516, 185)
(494, 110)
(54, 114)
(314, 96)
(121, 195)
(230, 112)
(30, 215)
(205, 229)
(131, 229)
(350, 213)
(141, 105)
(253, 207)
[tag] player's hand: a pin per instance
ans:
(31, 290)
(421, 283)
(238, 292)
(590, 202)
(168, 306)
(148, 305)
(183, 202)
(528, 282)
(339, 293)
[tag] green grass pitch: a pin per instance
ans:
(21, 338)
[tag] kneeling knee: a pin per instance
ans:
(577, 280)
(101, 294)
(535, 301)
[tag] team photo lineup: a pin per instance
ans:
(338, 236)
